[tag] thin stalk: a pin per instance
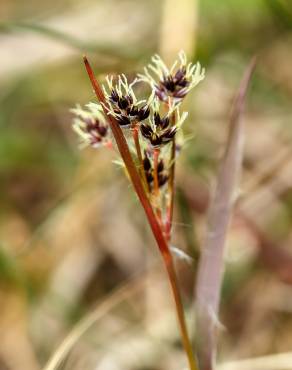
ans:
(180, 313)
(171, 184)
(153, 222)
(135, 133)
(171, 191)
(155, 165)
(157, 199)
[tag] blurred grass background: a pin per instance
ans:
(71, 231)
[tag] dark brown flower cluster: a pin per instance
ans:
(91, 125)
(153, 122)
(97, 131)
(125, 109)
(122, 103)
(159, 131)
(175, 85)
(171, 85)
(162, 175)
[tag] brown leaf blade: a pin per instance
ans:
(211, 263)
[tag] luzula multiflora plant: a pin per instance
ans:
(149, 153)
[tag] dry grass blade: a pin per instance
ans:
(122, 293)
(211, 263)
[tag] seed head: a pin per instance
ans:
(143, 113)
(172, 85)
(158, 129)
(122, 102)
(149, 172)
(90, 125)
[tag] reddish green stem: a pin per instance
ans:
(156, 182)
(135, 133)
(157, 200)
(171, 184)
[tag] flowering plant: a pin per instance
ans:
(150, 154)
(154, 123)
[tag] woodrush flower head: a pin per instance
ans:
(172, 85)
(148, 167)
(122, 102)
(159, 129)
(156, 119)
(91, 125)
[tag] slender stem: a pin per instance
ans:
(156, 186)
(151, 217)
(180, 314)
(155, 164)
(171, 184)
(135, 133)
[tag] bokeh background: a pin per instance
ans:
(77, 260)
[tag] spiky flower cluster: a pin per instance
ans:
(162, 173)
(91, 125)
(154, 121)
(160, 129)
(123, 104)
(172, 84)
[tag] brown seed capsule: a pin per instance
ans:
(102, 130)
(143, 113)
(160, 166)
(168, 83)
(123, 120)
(183, 83)
(155, 140)
(164, 122)
(146, 131)
(162, 179)
(149, 177)
(160, 93)
(123, 103)
(133, 111)
(146, 164)
(157, 119)
(114, 97)
(129, 99)
(169, 134)
(180, 74)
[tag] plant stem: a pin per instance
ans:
(153, 222)
(180, 312)
(156, 183)
(157, 200)
(135, 133)
(171, 184)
